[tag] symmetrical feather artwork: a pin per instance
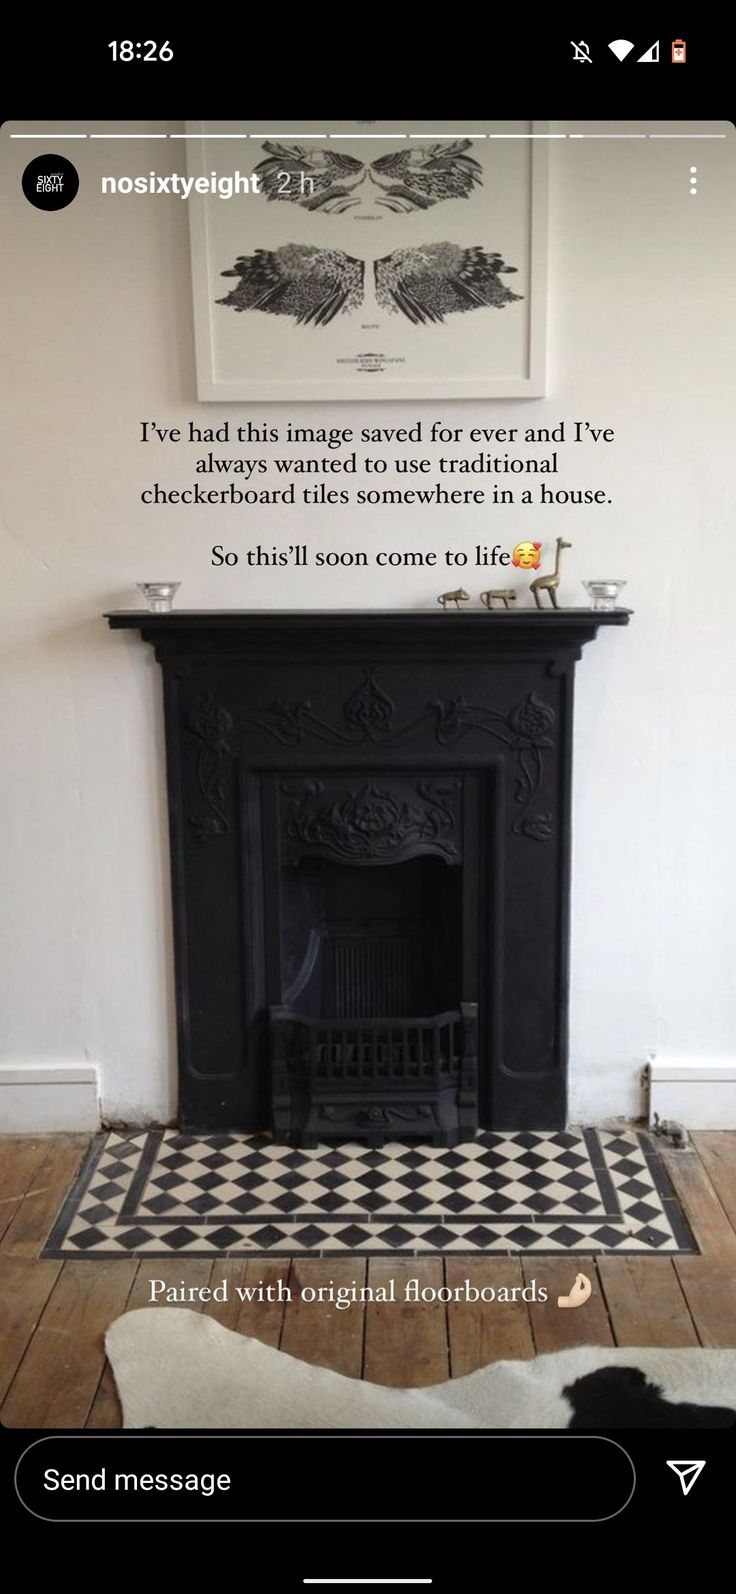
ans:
(300, 280)
(433, 280)
(370, 260)
(316, 179)
(407, 179)
(417, 178)
(424, 284)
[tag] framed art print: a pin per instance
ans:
(367, 261)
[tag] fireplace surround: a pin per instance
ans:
(370, 841)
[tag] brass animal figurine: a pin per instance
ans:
(549, 583)
(457, 597)
(506, 595)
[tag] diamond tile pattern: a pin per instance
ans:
(162, 1192)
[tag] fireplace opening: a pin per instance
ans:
(380, 942)
(373, 1038)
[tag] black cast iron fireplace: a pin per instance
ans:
(370, 838)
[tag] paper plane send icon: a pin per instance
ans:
(688, 1472)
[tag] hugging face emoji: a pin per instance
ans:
(526, 555)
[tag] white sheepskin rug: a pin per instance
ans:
(175, 1368)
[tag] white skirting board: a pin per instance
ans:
(697, 1092)
(40, 1098)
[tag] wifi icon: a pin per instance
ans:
(621, 48)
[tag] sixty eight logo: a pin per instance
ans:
(50, 182)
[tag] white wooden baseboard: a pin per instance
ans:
(39, 1098)
(697, 1092)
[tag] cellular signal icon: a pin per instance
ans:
(651, 54)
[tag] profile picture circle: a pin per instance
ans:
(50, 182)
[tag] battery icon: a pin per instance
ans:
(679, 53)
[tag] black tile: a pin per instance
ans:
(497, 1203)
(289, 1180)
(628, 1165)
(353, 1235)
(331, 1180)
(87, 1238)
(574, 1181)
(244, 1203)
(653, 1237)
(99, 1213)
(132, 1238)
(414, 1202)
(266, 1236)
(413, 1181)
(457, 1203)
(565, 1234)
(207, 1181)
(643, 1212)
(480, 1236)
(395, 1236)
(635, 1187)
(161, 1204)
(177, 1238)
(288, 1202)
(438, 1237)
(204, 1203)
(523, 1236)
(541, 1203)
(311, 1237)
(224, 1238)
(371, 1180)
(532, 1181)
(609, 1237)
(330, 1202)
(104, 1191)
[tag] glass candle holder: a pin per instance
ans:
(603, 594)
(159, 595)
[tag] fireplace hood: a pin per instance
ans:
(370, 825)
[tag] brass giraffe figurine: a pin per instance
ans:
(549, 583)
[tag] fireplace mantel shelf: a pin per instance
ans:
(578, 624)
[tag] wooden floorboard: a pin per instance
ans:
(230, 1273)
(261, 1318)
(53, 1175)
(57, 1379)
(716, 1152)
(105, 1411)
(53, 1315)
(25, 1287)
(406, 1343)
(486, 1331)
(317, 1332)
(265, 1322)
(645, 1301)
(708, 1219)
(559, 1328)
(708, 1281)
(21, 1156)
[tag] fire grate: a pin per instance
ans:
(333, 1078)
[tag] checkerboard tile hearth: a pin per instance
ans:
(164, 1193)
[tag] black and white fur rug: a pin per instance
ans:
(175, 1368)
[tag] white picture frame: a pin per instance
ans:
(377, 352)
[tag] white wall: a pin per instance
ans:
(98, 331)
